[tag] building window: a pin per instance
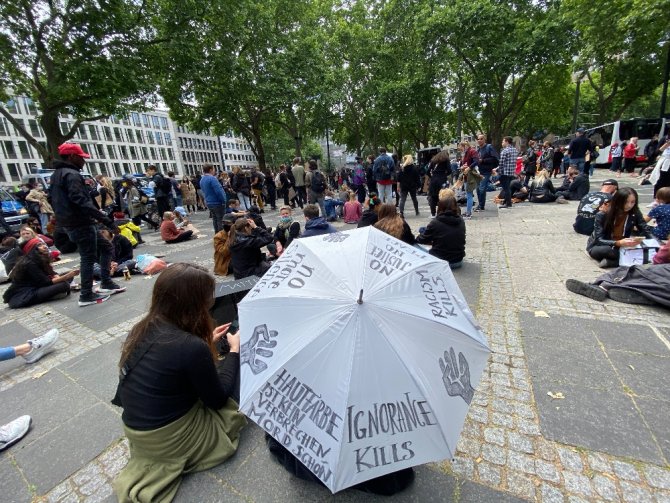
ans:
(94, 132)
(124, 151)
(117, 134)
(145, 120)
(139, 135)
(155, 121)
(159, 138)
(110, 150)
(136, 119)
(34, 128)
(14, 173)
(101, 151)
(133, 153)
(8, 150)
(83, 134)
(25, 151)
(164, 122)
(108, 133)
(168, 139)
(12, 107)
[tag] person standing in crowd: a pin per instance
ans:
(547, 158)
(198, 192)
(439, 178)
(660, 176)
(316, 181)
(257, 182)
(215, 197)
(630, 156)
(488, 161)
(44, 209)
(136, 202)
(408, 183)
(591, 204)
(162, 189)
(298, 172)
(651, 152)
(359, 181)
(77, 215)
(271, 189)
(188, 194)
(617, 155)
(508, 156)
(578, 148)
(177, 199)
(557, 161)
(241, 186)
(383, 171)
(529, 162)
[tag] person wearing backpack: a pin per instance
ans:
(316, 181)
(383, 169)
(162, 189)
(299, 182)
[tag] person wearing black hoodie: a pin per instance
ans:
(246, 240)
(446, 233)
(77, 215)
(439, 178)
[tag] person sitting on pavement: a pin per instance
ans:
(254, 213)
(315, 225)
(234, 208)
(245, 242)
(446, 233)
(369, 215)
(10, 252)
(179, 399)
(132, 232)
(287, 230)
(613, 229)
(393, 224)
(169, 231)
(122, 255)
(26, 233)
(352, 210)
(591, 204)
(331, 205)
(222, 247)
(33, 279)
(541, 190)
(182, 221)
(575, 186)
(648, 285)
(661, 214)
(31, 351)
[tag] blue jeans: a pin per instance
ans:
(7, 354)
(91, 245)
(218, 212)
(481, 190)
(579, 162)
(469, 196)
(245, 201)
(385, 192)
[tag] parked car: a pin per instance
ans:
(43, 178)
(14, 212)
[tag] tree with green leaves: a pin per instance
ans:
(503, 48)
(622, 48)
(83, 58)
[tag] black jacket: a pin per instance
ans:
(123, 250)
(600, 237)
(246, 254)
(542, 192)
(241, 183)
(369, 217)
(438, 179)
(576, 189)
(446, 233)
(408, 177)
(71, 199)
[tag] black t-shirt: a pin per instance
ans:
(173, 374)
(587, 211)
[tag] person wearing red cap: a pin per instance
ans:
(34, 280)
(78, 216)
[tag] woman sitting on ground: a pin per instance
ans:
(178, 398)
(182, 221)
(612, 229)
(393, 224)
(542, 190)
(33, 279)
(446, 233)
(369, 216)
(169, 231)
(222, 247)
(353, 210)
(246, 240)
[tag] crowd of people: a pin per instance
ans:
(188, 412)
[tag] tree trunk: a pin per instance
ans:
(51, 125)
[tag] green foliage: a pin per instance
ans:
(84, 58)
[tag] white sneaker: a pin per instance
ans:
(14, 431)
(41, 346)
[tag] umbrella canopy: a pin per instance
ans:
(360, 355)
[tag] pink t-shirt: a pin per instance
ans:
(352, 212)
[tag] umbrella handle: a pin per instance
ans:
(360, 297)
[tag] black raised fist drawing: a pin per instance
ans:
(258, 346)
(456, 375)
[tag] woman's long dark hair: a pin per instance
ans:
(617, 208)
(182, 296)
(34, 259)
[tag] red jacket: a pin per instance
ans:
(169, 230)
(630, 152)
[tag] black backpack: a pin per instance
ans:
(318, 182)
(384, 170)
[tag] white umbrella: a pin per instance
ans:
(360, 355)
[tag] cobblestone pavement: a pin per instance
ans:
(502, 445)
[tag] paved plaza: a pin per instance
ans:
(573, 406)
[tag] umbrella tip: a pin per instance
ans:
(360, 297)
